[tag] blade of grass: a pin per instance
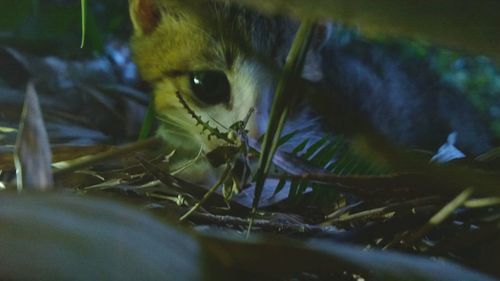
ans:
(281, 104)
(148, 121)
(84, 21)
(482, 202)
(207, 195)
(436, 220)
(83, 162)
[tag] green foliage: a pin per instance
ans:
(84, 21)
(476, 77)
(148, 122)
(332, 154)
(55, 27)
(281, 105)
(15, 13)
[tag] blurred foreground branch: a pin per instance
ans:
(466, 25)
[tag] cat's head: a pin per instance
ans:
(223, 59)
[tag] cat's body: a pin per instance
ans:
(225, 60)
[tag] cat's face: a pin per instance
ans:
(222, 60)
(180, 54)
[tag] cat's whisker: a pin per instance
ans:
(179, 134)
(179, 122)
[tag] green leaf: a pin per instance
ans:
(279, 187)
(84, 22)
(300, 147)
(148, 122)
(284, 139)
(315, 147)
(281, 103)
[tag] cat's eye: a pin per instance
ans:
(210, 87)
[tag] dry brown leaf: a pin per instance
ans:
(32, 152)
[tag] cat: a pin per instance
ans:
(224, 59)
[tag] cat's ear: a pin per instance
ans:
(145, 15)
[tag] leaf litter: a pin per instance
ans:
(92, 119)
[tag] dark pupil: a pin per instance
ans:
(211, 87)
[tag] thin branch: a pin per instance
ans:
(86, 161)
(436, 220)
